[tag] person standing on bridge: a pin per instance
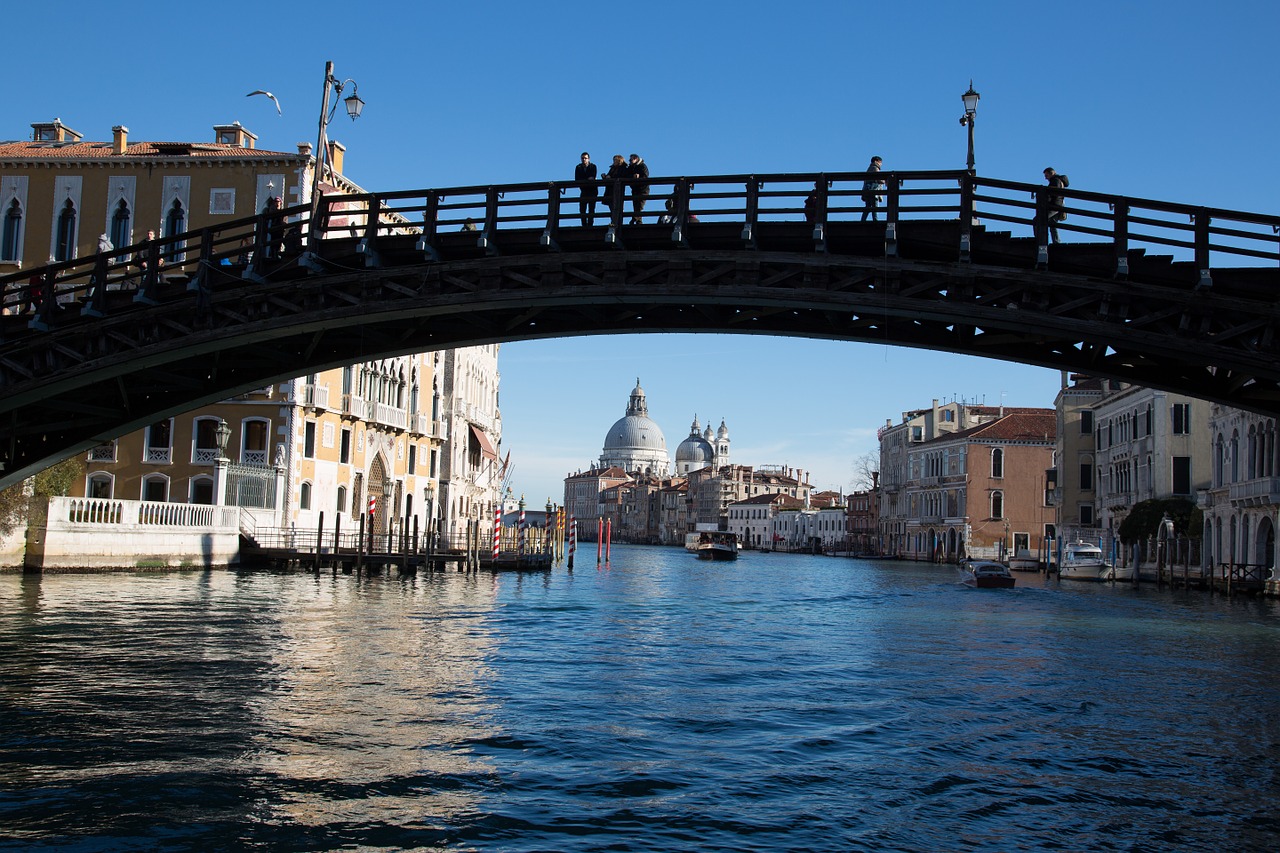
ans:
(617, 172)
(871, 188)
(1057, 212)
(638, 173)
(585, 175)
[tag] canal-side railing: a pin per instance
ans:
(109, 511)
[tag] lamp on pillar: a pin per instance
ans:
(221, 434)
(970, 99)
(333, 88)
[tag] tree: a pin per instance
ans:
(1145, 517)
(55, 480)
(865, 469)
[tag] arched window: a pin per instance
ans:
(64, 247)
(253, 438)
(997, 463)
(202, 490)
(160, 442)
(174, 224)
(121, 230)
(1235, 456)
(342, 499)
(1219, 450)
(204, 445)
(997, 504)
(12, 235)
(100, 485)
(304, 496)
(155, 487)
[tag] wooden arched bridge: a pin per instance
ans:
(1167, 295)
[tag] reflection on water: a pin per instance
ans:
(659, 703)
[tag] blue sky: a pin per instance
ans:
(1161, 100)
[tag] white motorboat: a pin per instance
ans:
(1083, 561)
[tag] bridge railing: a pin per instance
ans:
(152, 270)
(192, 264)
(1207, 236)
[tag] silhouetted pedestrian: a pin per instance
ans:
(617, 172)
(871, 189)
(1057, 212)
(811, 203)
(585, 174)
(638, 174)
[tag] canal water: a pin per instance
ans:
(781, 702)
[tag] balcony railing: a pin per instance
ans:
(253, 457)
(354, 406)
(1258, 491)
(103, 452)
(389, 415)
(204, 455)
(315, 396)
(158, 455)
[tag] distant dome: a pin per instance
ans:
(635, 442)
(694, 452)
(723, 432)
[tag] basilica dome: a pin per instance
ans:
(635, 442)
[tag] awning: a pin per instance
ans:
(486, 446)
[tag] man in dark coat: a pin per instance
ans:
(1056, 211)
(585, 174)
(638, 174)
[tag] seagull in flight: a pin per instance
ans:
(269, 95)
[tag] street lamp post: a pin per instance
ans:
(332, 86)
(221, 434)
(970, 99)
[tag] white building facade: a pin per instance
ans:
(1242, 503)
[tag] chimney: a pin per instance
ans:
(336, 150)
(304, 149)
(119, 139)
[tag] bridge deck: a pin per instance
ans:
(1173, 296)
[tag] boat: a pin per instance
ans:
(1083, 561)
(986, 574)
(1024, 561)
(717, 545)
(1117, 573)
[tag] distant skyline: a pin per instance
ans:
(1155, 100)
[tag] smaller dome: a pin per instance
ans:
(723, 432)
(695, 451)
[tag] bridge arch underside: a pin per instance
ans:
(87, 381)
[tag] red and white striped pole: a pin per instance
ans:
(599, 539)
(608, 539)
(573, 537)
(497, 530)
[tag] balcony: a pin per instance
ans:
(253, 457)
(158, 455)
(103, 452)
(422, 424)
(315, 396)
(1261, 491)
(354, 406)
(204, 455)
(392, 416)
